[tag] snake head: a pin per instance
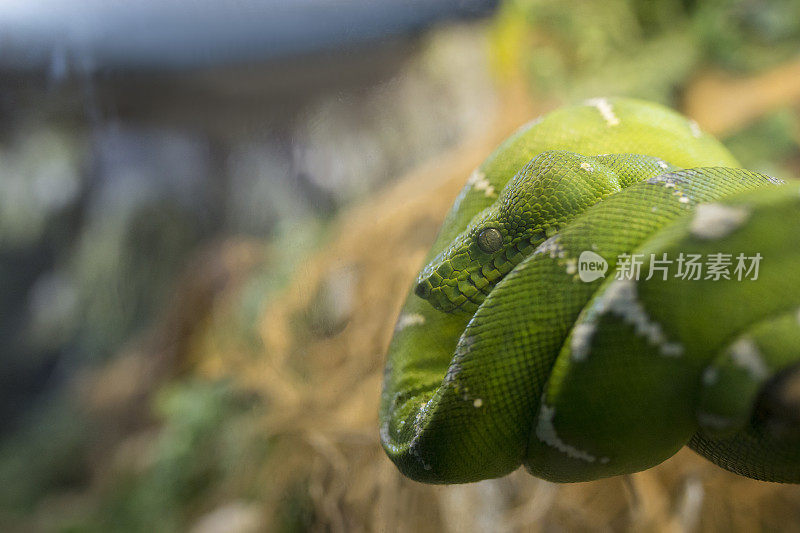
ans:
(550, 190)
(461, 276)
(528, 210)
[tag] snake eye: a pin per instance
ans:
(490, 240)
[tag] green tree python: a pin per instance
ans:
(608, 287)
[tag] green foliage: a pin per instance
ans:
(48, 453)
(769, 145)
(206, 440)
(579, 48)
(119, 286)
(748, 34)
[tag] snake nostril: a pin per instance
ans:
(423, 289)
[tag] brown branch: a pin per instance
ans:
(722, 103)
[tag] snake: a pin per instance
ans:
(608, 287)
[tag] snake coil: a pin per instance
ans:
(608, 287)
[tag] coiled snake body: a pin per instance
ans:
(607, 288)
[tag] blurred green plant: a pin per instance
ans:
(202, 443)
(769, 145)
(49, 454)
(200, 455)
(576, 48)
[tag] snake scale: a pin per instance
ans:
(608, 287)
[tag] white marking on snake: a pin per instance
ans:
(413, 450)
(662, 164)
(714, 221)
(621, 299)
(452, 372)
(745, 353)
(581, 340)
(384, 430)
(668, 180)
(671, 349)
(605, 108)
(551, 247)
(409, 319)
(546, 432)
(422, 415)
(587, 167)
(479, 182)
(713, 421)
(695, 129)
(478, 403)
(465, 345)
(710, 375)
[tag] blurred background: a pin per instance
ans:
(210, 213)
